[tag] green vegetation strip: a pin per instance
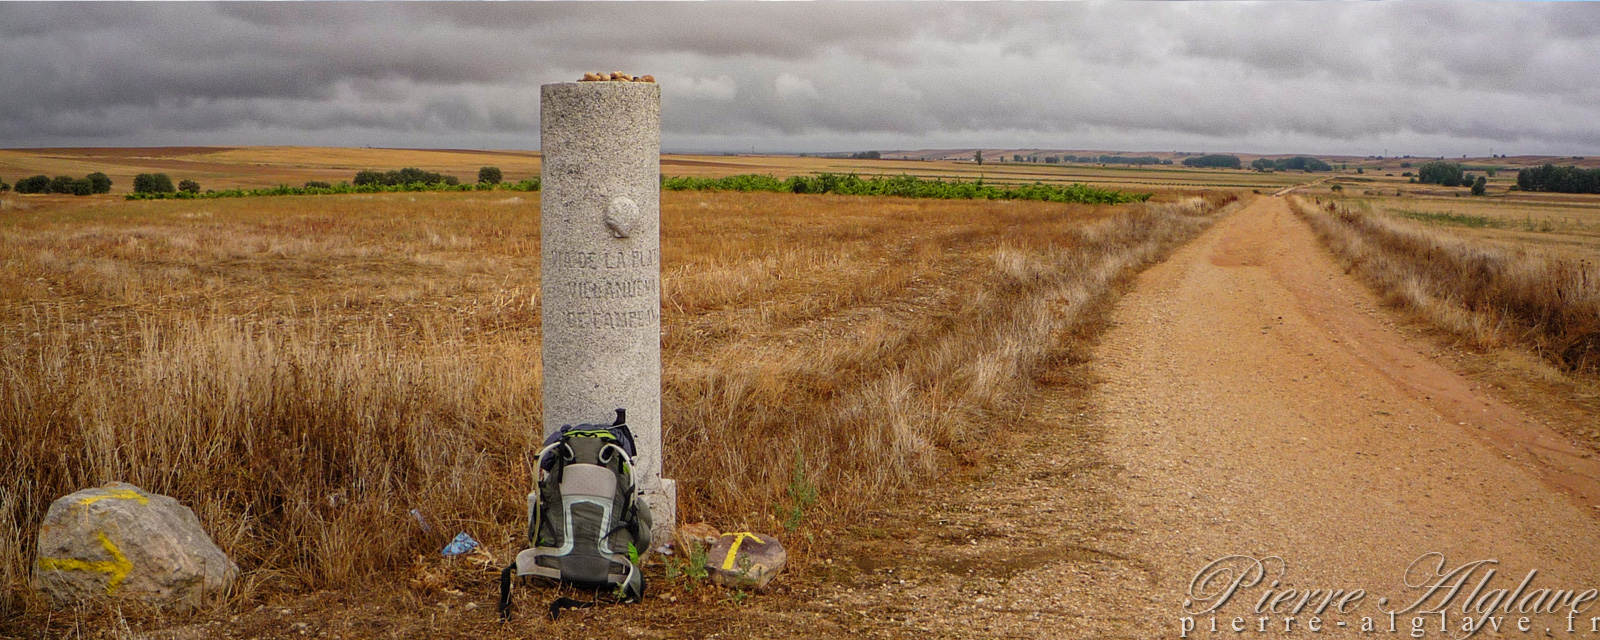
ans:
(1448, 217)
(337, 189)
(904, 186)
(1484, 222)
(843, 184)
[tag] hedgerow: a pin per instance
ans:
(904, 186)
(843, 184)
(318, 189)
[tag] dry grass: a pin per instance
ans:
(304, 372)
(1489, 294)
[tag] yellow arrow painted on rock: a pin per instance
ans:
(733, 549)
(117, 567)
(116, 494)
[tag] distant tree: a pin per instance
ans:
(61, 184)
(82, 187)
(153, 183)
(1480, 186)
(318, 184)
(188, 186)
(101, 182)
(1360, 170)
(977, 156)
(1016, 157)
(1568, 179)
(1214, 160)
(1052, 159)
(1307, 164)
(489, 175)
(1405, 165)
(4, 187)
(1441, 173)
(35, 184)
(408, 175)
(367, 177)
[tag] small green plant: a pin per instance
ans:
(802, 494)
(692, 566)
(737, 596)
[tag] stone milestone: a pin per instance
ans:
(746, 560)
(600, 279)
(124, 542)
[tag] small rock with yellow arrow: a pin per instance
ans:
(121, 541)
(746, 560)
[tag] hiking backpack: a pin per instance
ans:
(587, 524)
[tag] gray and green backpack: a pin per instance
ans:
(586, 521)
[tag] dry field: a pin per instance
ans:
(304, 371)
(1568, 224)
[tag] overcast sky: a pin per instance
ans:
(1353, 78)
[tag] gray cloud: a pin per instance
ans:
(1416, 78)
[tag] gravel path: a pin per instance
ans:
(1251, 400)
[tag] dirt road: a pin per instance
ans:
(1252, 400)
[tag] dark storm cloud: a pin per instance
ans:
(1327, 77)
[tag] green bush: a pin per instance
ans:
(82, 187)
(318, 184)
(489, 175)
(100, 181)
(4, 187)
(153, 183)
(61, 184)
(35, 184)
(408, 175)
(189, 186)
(1480, 186)
(1441, 173)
